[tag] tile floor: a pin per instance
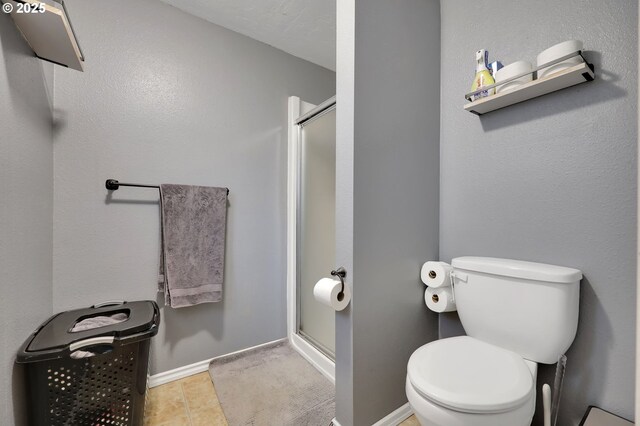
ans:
(192, 401)
(411, 421)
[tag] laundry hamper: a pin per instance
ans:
(108, 386)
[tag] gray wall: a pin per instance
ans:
(553, 179)
(345, 88)
(169, 98)
(26, 207)
(395, 174)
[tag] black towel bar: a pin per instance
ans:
(113, 185)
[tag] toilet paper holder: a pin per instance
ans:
(340, 273)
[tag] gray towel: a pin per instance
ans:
(99, 321)
(193, 241)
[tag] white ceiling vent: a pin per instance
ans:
(48, 31)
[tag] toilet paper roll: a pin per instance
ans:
(327, 292)
(436, 274)
(440, 299)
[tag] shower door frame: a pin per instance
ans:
(298, 109)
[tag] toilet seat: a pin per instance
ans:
(468, 375)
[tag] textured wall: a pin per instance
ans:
(395, 173)
(553, 179)
(170, 98)
(26, 207)
(637, 402)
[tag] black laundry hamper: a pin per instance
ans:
(107, 389)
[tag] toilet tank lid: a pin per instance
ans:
(518, 269)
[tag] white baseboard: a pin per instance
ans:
(393, 419)
(396, 417)
(178, 373)
(195, 368)
(316, 358)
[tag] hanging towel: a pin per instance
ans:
(193, 242)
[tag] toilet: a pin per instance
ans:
(516, 314)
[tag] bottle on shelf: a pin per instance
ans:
(494, 67)
(483, 77)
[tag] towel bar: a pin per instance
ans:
(113, 185)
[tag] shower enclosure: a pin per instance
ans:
(311, 242)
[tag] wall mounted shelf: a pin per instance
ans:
(568, 77)
(48, 31)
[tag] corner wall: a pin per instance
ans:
(553, 179)
(171, 98)
(26, 208)
(637, 399)
(388, 146)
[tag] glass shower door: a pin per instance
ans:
(316, 227)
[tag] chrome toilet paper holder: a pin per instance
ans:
(340, 273)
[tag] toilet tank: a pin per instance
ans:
(528, 308)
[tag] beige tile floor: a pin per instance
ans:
(411, 421)
(192, 401)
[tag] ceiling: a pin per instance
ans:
(303, 28)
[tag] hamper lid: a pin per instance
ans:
(55, 334)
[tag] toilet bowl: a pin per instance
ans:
(516, 314)
(462, 381)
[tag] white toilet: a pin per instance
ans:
(516, 314)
